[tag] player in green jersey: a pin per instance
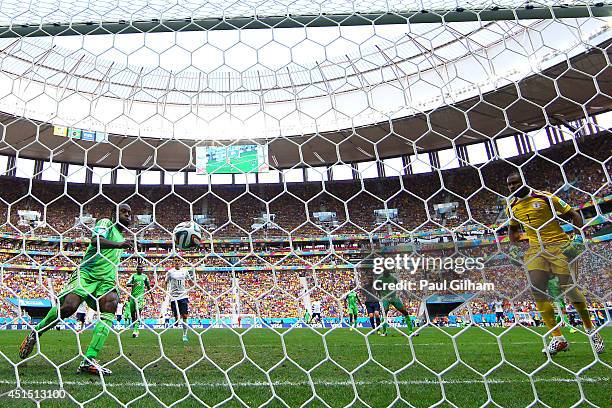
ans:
(138, 282)
(353, 310)
(306, 316)
(389, 297)
(94, 282)
(127, 315)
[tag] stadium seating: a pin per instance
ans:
(268, 279)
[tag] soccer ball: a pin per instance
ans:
(186, 234)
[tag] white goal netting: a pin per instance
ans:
(312, 142)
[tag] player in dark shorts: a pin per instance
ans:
(119, 313)
(499, 317)
(180, 308)
(81, 318)
(177, 285)
(316, 312)
(372, 303)
(499, 312)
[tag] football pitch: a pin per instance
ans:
(314, 368)
(246, 163)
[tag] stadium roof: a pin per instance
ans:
(279, 91)
(409, 135)
(372, 92)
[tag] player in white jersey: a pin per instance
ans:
(178, 291)
(499, 312)
(119, 313)
(81, 314)
(316, 311)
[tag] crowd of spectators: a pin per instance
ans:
(282, 293)
(264, 275)
(575, 172)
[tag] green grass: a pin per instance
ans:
(337, 367)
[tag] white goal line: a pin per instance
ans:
(221, 384)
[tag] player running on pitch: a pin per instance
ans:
(178, 291)
(94, 282)
(353, 310)
(549, 251)
(389, 297)
(138, 282)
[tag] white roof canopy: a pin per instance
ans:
(295, 82)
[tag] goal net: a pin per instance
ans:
(397, 203)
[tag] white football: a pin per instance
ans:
(187, 234)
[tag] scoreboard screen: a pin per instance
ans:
(231, 159)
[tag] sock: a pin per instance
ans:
(554, 289)
(355, 322)
(136, 324)
(548, 316)
(99, 335)
(372, 322)
(185, 327)
(378, 322)
(49, 321)
(583, 312)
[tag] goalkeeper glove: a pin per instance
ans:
(516, 255)
(573, 248)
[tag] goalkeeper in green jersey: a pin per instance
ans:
(94, 282)
(389, 297)
(138, 282)
(353, 310)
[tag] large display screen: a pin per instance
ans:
(231, 159)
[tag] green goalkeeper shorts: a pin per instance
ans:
(88, 287)
(352, 309)
(393, 301)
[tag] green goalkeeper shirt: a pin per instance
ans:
(351, 298)
(103, 264)
(139, 282)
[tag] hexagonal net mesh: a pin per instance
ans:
(324, 153)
